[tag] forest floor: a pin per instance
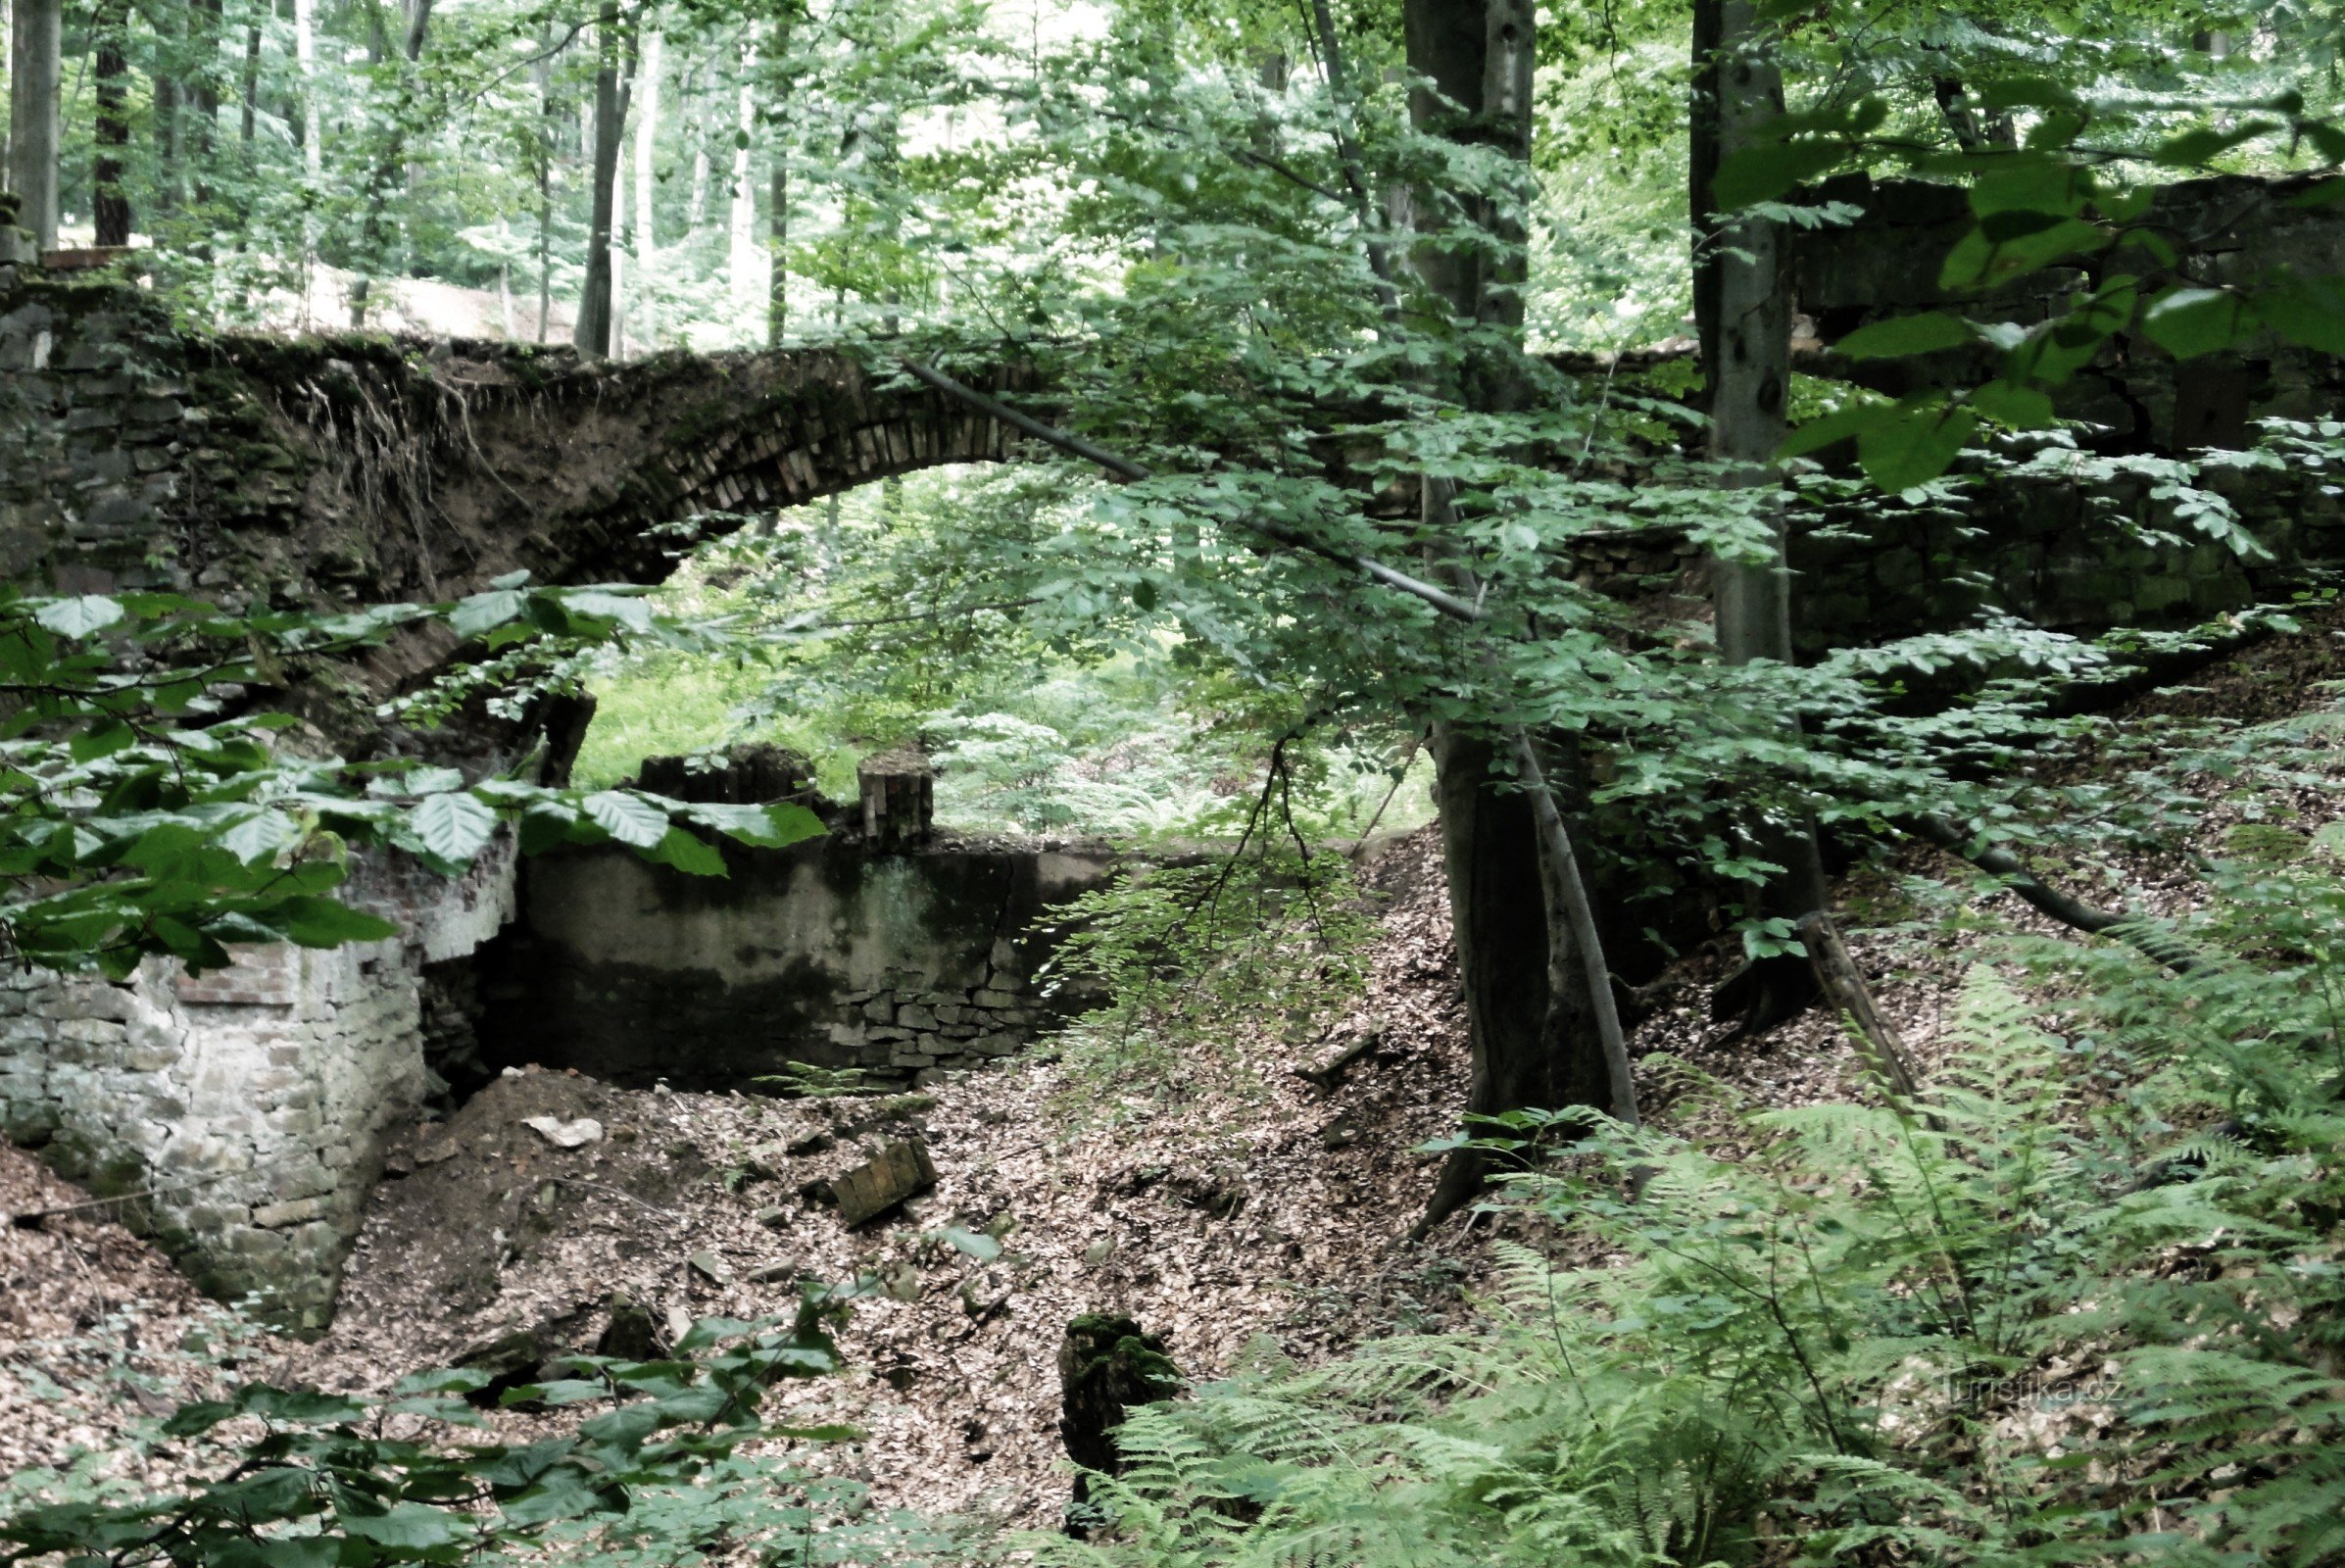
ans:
(1250, 1204)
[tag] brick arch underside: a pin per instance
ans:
(657, 444)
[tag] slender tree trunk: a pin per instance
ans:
(390, 169)
(647, 136)
(619, 243)
(36, 50)
(695, 211)
(777, 228)
(612, 85)
(543, 71)
(166, 132)
(1750, 375)
(110, 203)
(1527, 940)
(204, 88)
(248, 116)
(305, 57)
(741, 251)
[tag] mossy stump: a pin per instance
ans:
(1106, 1365)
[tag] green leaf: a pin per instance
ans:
(259, 837)
(2017, 243)
(1838, 425)
(1764, 173)
(409, 1529)
(1917, 446)
(976, 1244)
(2309, 313)
(2191, 322)
(686, 854)
(1907, 334)
(482, 611)
(78, 618)
(627, 817)
(565, 1497)
(2023, 408)
(453, 826)
(2194, 149)
(315, 923)
(772, 826)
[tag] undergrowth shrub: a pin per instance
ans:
(2080, 1305)
(667, 1472)
(1202, 973)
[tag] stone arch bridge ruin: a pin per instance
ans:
(243, 1115)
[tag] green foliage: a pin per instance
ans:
(1203, 969)
(1877, 1334)
(657, 1476)
(144, 811)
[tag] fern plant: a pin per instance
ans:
(2081, 1306)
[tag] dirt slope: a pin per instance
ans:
(1213, 1219)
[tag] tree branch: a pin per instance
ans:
(1567, 897)
(1123, 467)
(2132, 930)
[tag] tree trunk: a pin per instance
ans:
(165, 131)
(543, 71)
(647, 136)
(1751, 375)
(741, 253)
(110, 203)
(777, 232)
(248, 116)
(1530, 1023)
(305, 56)
(593, 335)
(205, 25)
(392, 163)
(36, 51)
(1532, 1015)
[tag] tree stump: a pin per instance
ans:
(899, 797)
(1106, 1364)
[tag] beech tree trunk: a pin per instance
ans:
(777, 230)
(741, 251)
(1750, 373)
(372, 227)
(205, 25)
(110, 203)
(647, 133)
(611, 89)
(1532, 1015)
(36, 51)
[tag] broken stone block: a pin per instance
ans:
(813, 1142)
(508, 1361)
(773, 1216)
(630, 1334)
(712, 1268)
(565, 1134)
(779, 1272)
(768, 1162)
(901, 1170)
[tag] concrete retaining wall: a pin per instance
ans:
(899, 964)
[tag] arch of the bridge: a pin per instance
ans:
(767, 431)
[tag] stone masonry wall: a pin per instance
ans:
(828, 952)
(240, 1113)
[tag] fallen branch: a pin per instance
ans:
(1843, 986)
(2134, 930)
(1328, 1074)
